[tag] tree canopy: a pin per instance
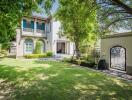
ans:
(11, 12)
(115, 14)
(78, 20)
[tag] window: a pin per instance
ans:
(28, 25)
(40, 26)
(28, 46)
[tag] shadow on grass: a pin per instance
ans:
(60, 82)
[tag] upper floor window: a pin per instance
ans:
(28, 25)
(40, 26)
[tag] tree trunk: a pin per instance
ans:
(78, 54)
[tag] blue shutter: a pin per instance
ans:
(24, 23)
(43, 26)
(32, 24)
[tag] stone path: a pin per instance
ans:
(120, 74)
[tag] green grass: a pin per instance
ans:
(35, 80)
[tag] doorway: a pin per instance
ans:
(61, 47)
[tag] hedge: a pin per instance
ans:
(44, 55)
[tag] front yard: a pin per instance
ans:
(43, 80)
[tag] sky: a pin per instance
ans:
(43, 14)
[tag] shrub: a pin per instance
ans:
(66, 59)
(49, 54)
(38, 47)
(29, 56)
(5, 46)
(3, 53)
(90, 64)
(87, 63)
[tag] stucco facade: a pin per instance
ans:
(48, 35)
(123, 40)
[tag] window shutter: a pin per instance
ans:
(32, 24)
(43, 26)
(24, 23)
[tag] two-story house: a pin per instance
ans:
(43, 29)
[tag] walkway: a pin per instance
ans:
(117, 73)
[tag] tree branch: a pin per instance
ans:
(122, 5)
(117, 20)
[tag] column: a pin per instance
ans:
(35, 25)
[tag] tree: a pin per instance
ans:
(77, 17)
(115, 14)
(38, 47)
(11, 12)
(78, 20)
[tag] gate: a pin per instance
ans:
(118, 58)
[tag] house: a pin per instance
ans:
(116, 49)
(40, 29)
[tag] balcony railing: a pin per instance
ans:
(39, 31)
(32, 30)
(28, 29)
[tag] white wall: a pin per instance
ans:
(19, 42)
(55, 38)
(124, 40)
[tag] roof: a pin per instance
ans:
(126, 34)
(40, 18)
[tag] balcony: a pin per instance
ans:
(28, 29)
(33, 32)
(39, 31)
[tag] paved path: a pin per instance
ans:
(117, 73)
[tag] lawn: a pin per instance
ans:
(42, 80)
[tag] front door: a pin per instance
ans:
(118, 58)
(61, 47)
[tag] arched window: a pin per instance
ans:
(28, 46)
(118, 58)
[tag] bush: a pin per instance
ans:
(29, 56)
(87, 63)
(38, 47)
(5, 46)
(90, 64)
(49, 54)
(3, 53)
(44, 55)
(66, 59)
(78, 62)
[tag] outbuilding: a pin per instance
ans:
(116, 49)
